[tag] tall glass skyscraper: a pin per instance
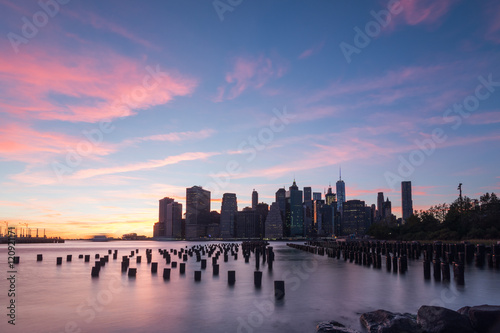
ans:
(406, 201)
(294, 211)
(255, 199)
(197, 211)
(228, 211)
(340, 194)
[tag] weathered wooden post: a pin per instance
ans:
(166, 274)
(182, 268)
(257, 279)
(437, 269)
(231, 277)
(279, 289)
(445, 269)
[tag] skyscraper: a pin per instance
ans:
(255, 199)
(174, 220)
(380, 206)
(330, 197)
(294, 211)
(340, 193)
(169, 219)
(228, 211)
(387, 210)
(406, 201)
(354, 218)
(317, 196)
(307, 194)
(197, 211)
(246, 223)
(274, 223)
(161, 230)
(262, 210)
(281, 201)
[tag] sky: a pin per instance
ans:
(108, 106)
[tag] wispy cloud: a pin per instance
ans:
(492, 16)
(98, 85)
(427, 12)
(101, 23)
(151, 164)
(484, 118)
(249, 73)
(311, 51)
(175, 136)
(19, 142)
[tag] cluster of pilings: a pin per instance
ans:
(437, 255)
(177, 258)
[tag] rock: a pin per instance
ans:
(436, 319)
(382, 321)
(333, 327)
(484, 318)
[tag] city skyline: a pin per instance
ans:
(106, 107)
(302, 213)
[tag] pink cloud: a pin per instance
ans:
(249, 73)
(22, 143)
(316, 112)
(484, 118)
(176, 136)
(96, 85)
(492, 14)
(151, 164)
(417, 12)
(104, 24)
(312, 51)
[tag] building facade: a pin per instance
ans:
(197, 212)
(274, 223)
(228, 211)
(406, 200)
(294, 211)
(354, 218)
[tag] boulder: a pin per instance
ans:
(382, 321)
(436, 319)
(483, 318)
(333, 327)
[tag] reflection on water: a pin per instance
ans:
(65, 298)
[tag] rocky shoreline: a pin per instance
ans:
(429, 319)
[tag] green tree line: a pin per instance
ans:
(463, 219)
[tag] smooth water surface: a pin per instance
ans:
(65, 298)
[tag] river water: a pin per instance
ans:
(51, 298)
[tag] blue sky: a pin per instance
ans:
(107, 107)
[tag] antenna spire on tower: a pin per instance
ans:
(340, 172)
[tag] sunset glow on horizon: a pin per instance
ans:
(107, 107)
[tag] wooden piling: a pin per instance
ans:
(279, 289)
(257, 279)
(231, 277)
(166, 274)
